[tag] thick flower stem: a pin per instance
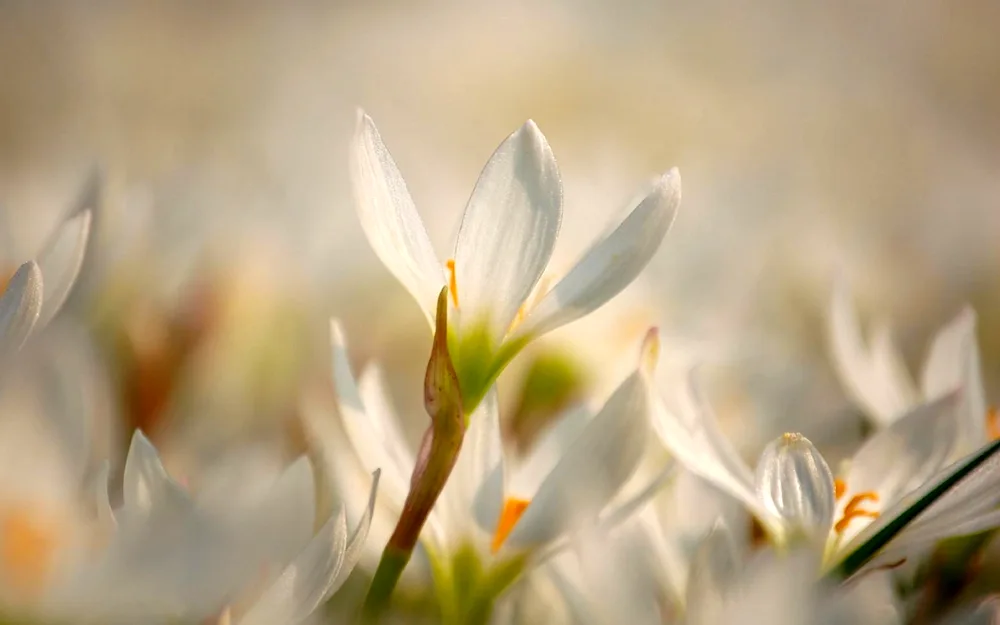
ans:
(437, 457)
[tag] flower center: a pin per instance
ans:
(853, 508)
(452, 282)
(993, 423)
(27, 549)
(513, 508)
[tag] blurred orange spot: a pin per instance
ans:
(853, 511)
(513, 508)
(452, 281)
(993, 423)
(27, 549)
(839, 488)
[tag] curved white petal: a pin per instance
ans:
(612, 263)
(60, 262)
(862, 379)
(953, 362)
(301, 587)
(595, 467)
(690, 431)
(146, 486)
(102, 501)
(390, 219)
(282, 522)
(795, 484)
(384, 419)
(714, 568)
(906, 454)
(370, 443)
(474, 495)
(356, 543)
(508, 230)
(20, 305)
(889, 368)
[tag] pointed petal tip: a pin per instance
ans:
(336, 332)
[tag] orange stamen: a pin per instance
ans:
(839, 488)
(513, 508)
(993, 423)
(452, 282)
(27, 549)
(852, 510)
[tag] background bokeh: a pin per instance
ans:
(852, 139)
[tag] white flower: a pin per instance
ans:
(500, 515)
(504, 244)
(243, 545)
(876, 378)
(794, 494)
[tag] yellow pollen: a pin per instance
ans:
(27, 549)
(852, 510)
(993, 423)
(452, 282)
(513, 508)
(839, 488)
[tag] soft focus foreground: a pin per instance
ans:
(268, 359)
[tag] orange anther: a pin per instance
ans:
(452, 281)
(513, 508)
(839, 488)
(852, 511)
(27, 550)
(993, 423)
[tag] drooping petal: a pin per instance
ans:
(301, 587)
(20, 306)
(356, 543)
(508, 231)
(595, 467)
(795, 484)
(612, 263)
(60, 262)
(390, 219)
(689, 429)
(714, 568)
(854, 364)
(953, 362)
(906, 454)
(370, 444)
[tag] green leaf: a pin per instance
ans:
(867, 550)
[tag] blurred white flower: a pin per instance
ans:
(498, 294)
(876, 378)
(493, 516)
(795, 496)
(242, 547)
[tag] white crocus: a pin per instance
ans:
(38, 288)
(793, 492)
(497, 516)
(507, 235)
(876, 378)
(244, 546)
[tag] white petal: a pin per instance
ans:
(475, 490)
(390, 219)
(356, 543)
(508, 230)
(594, 469)
(146, 487)
(102, 501)
(370, 443)
(690, 431)
(906, 454)
(889, 367)
(953, 362)
(794, 483)
(20, 305)
(715, 566)
(854, 365)
(301, 588)
(382, 414)
(281, 524)
(60, 262)
(612, 263)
